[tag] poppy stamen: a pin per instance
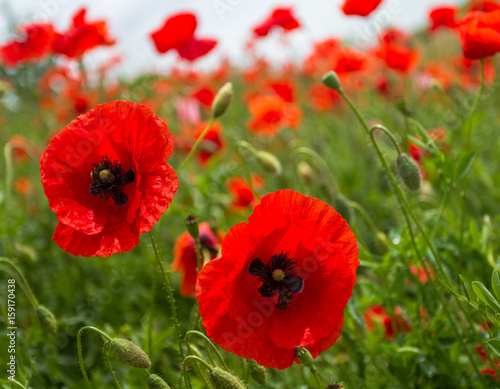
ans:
(108, 178)
(278, 276)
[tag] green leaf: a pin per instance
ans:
(420, 144)
(464, 164)
(495, 283)
(494, 345)
(485, 296)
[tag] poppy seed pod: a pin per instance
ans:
(222, 379)
(331, 80)
(409, 172)
(269, 162)
(257, 372)
(130, 353)
(222, 100)
(192, 227)
(304, 356)
(156, 382)
(46, 319)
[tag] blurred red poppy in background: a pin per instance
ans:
(185, 260)
(485, 5)
(241, 192)
(178, 33)
(480, 33)
(35, 43)
(106, 178)
(272, 287)
(443, 17)
(360, 7)
(271, 113)
(82, 36)
(280, 17)
(398, 57)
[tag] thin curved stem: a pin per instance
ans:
(206, 339)
(170, 295)
(115, 380)
(388, 133)
(80, 353)
(196, 145)
(476, 102)
(250, 148)
(28, 290)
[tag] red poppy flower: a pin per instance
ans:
(443, 17)
(323, 98)
(360, 7)
(178, 33)
(480, 34)
(106, 178)
(280, 17)
(284, 89)
(241, 191)
(283, 280)
(211, 144)
(205, 96)
(398, 57)
(82, 36)
(392, 324)
(271, 113)
(349, 60)
(185, 256)
(35, 43)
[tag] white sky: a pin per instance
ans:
(229, 21)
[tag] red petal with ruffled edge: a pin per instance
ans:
(175, 32)
(196, 48)
(240, 320)
(134, 137)
(360, 7)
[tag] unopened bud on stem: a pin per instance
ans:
(222, 100)
(222, 379)
(409, 172)
(331, 80)
(129, 353)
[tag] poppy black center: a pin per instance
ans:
(278, 276)
(108, 178)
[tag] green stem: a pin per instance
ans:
(204, 337)
(18, 383)
(170, 295)
(476, 103)
(441, 210)
(197, 367)
(358, 207)
(106, 357)
(199, 259)
(196, 360)
(250, 148)
(27, 288)
(389, 134)
(317, 378)
(7, 151)
(196, 145)
(80, 353)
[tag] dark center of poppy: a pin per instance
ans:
(278, 276)
(108, 178)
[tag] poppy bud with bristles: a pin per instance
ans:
(257, 372)
(222, 379)
(341, 205)
(305, 171)
(269, 162)
(191, 223)
(222, 100)
(156, 382)
(46, 319)
(129, 353)
(409, 172)
(304, 356)
(331, 80)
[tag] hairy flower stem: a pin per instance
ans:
(196, 145)
(402, 198)
(317, 378)
(80, 353)
(194, 359)
(170, 296)
(108, 363)
(207, 341)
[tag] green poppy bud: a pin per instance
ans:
(129, 353)
(222, 100)
(331, 80)
(156, 382)
(222, 379)
(269, 162)
(257, 372)
(409, 172)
